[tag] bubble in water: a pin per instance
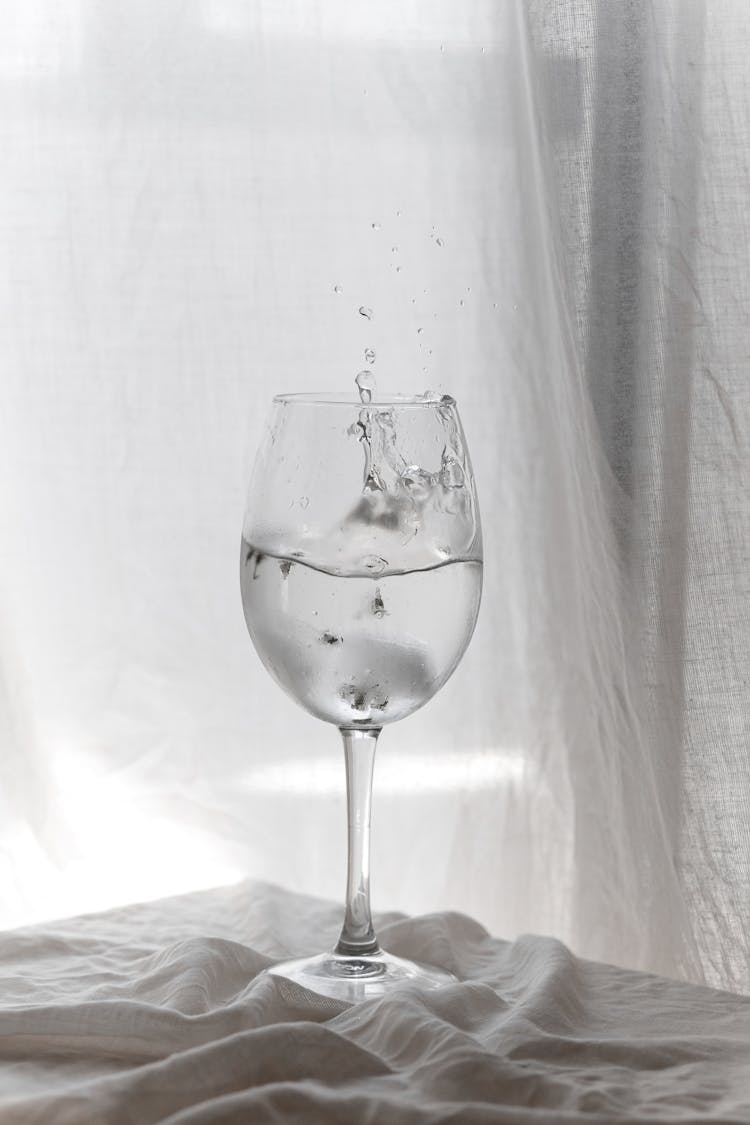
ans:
(365, 312)
(369, 355)
(337, 289)
(374, 564)
(366, 386)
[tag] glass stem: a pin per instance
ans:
(357, 935)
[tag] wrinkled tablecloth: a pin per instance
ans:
(157, 1012)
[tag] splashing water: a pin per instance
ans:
(366, 386)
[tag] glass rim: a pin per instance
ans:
(352, 398)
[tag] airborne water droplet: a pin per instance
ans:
(337, 289)
(365, 312)
(376, 226)
(369, 355)
(419, 332)
(304, 502)
(439, 241)
(366, 386)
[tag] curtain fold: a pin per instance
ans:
(545, 207)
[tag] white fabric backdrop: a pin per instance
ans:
(545, 206)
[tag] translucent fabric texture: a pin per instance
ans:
(543, 206)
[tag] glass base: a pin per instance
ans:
(358, 978)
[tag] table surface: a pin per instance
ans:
(156, 1012)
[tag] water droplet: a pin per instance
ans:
(442, 48)
(398, 269)
(285, 566)
(417, 482)
(414, 300)
(461, 302)
(494, 304)
(365, 381)
(337, 289)
(482, 50)
(439, 241)
(365, 312)
(369, 355)
(376, 226)
(304, 502)
(419, 332)
(374, 564)
(398, 214)
(451, 474)
(515, 308)
(378, 606)
(394, 249)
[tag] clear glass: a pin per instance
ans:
(361, 577)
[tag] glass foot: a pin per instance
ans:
(358, 978)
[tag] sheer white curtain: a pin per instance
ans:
(545, 206)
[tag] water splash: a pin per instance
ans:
(366, 386)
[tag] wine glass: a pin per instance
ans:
(361, 576)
